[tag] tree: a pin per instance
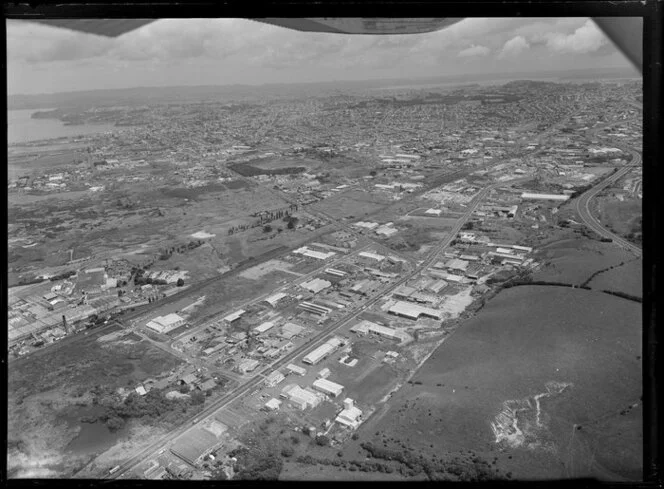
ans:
(114, 423)
(180, 282)
(373, 173)
(267, 228)
(197, 397)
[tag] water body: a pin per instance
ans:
(21, 128)
(93, 437)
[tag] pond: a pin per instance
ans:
(93, 437)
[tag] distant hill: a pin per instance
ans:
(227, 93)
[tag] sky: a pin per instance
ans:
(173, 52)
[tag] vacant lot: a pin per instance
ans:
(352, 203)
(525, 339)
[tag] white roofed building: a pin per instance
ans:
(328, 387)
(164, 324)
(316, 285)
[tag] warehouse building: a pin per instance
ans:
(373, 256)
(366, 225)
(323, 351)
(294, 369)
(272, 405)
(413, 311)
(328, 387)
(323, 374)
(299, 397)
(350, 416)
(366, 327)
(274, 378)
(316, 285)
(234, 316)
(164, 324)
(274, 299)
(262, 328)
(532, 196)
(314, 308)
(456, 264)
(335, 272)
(314, 254)
(436, 286)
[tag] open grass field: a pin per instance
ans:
(627, 278)
(620, 217)
(508, 359)
(575, 260)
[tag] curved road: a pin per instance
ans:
(583, 206)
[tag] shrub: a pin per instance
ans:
(287, 452)
(322, 440)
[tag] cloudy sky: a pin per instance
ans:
(43, 59)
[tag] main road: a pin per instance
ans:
(320, 338)
(583, 206)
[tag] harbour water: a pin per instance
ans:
(21, 128)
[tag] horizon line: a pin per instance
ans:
(499, 75)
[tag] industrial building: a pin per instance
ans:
(164, 324)
(314, 308)
(327, 387)
(350, 416)
(274, 378)
(263, 327)
(274, 299)
(314, 254)
(272, 405)
(335, 272)
(532, 196)
(373, 256)
(456, 264)
(366, 225)
(234, 316)
(413, 311)
(365, 327)
(323, 351)
(323, 374)
(301, 398)
(198, 442)
(294, 369)
(316, 285)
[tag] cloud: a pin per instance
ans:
(36, 43)
(514, 47)
(586, 39)
(474, 51)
